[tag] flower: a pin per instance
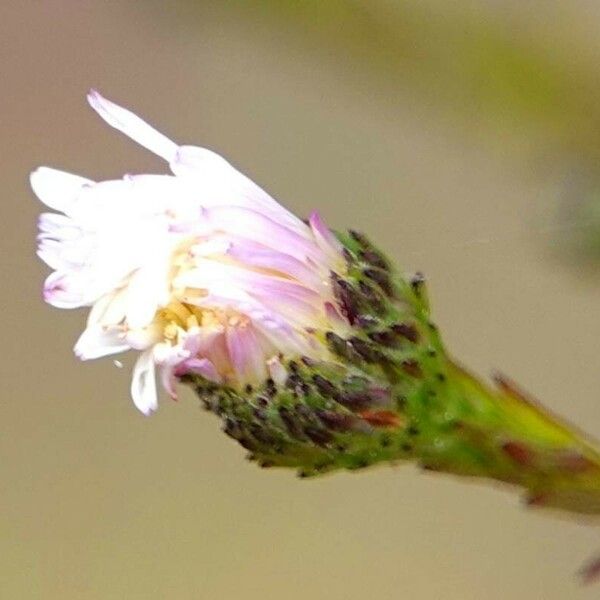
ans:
(199, 270)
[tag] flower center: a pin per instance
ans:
(178, 317)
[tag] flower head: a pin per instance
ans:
(199, 270)
(208, 277)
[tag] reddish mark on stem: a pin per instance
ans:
(537, 499)
(412, 368)
(575, 462)
(381, 418)
(519, 452)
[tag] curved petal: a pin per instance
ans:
(97, 341)
(213, 172)
(57, 189)
(251, 224)
(143, 384)
(200, 366)
(245, 352)
(58, 227)
(52, 256)
(324, 237)
(167, 378)
(132, 126)
(62, 290)
(259, 255)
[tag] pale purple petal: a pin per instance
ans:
(335, 317)
(193, 340)
(257, 227)
(214, 348)
(271, 324)
(258, 255)
(200, 366)
(245, 353)
(62, 290)
(168, 381)
(324, 237)
(296, 303)
(227, 185)
(210, 272)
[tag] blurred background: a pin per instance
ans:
(464, 136)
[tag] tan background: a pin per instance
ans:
(97, 502)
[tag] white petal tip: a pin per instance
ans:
(35, 175)
(56, 189)
(98, 102)
(58, 297)
(93, 94)
(143, 385)
(37, 181)
(132, 126)
(146, 411)
(145, 405)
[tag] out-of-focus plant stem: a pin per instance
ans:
(481, 69)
